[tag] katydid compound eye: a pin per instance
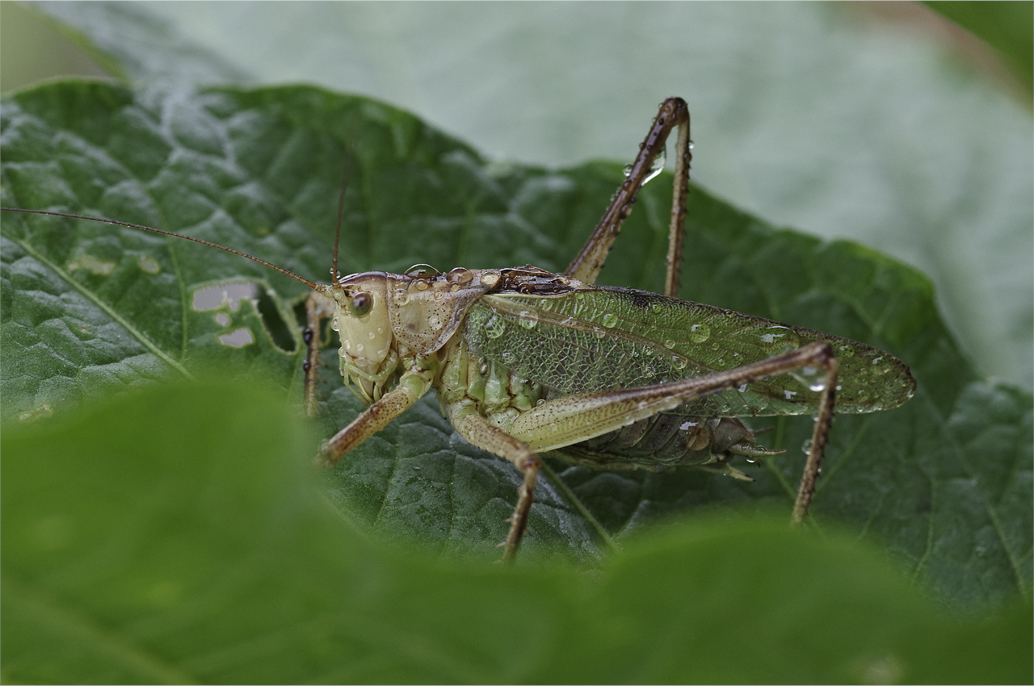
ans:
(361, 304)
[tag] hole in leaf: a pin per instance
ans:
(278, 329)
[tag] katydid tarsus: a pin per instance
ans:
(525, 361)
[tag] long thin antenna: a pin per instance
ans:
(340, 214)
(310, 284)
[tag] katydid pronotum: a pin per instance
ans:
(524, 360)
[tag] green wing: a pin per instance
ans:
(603, 338)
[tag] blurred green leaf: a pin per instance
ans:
(89, 309)
(176, 535)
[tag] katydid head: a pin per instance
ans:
(361, 319)
(382, 318)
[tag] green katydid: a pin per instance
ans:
(524, 360)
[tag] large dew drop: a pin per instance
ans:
(656, 167)
(495, 326)
(812, 377)
(698, 333)
(778, 339)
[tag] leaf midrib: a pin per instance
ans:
(136, 333)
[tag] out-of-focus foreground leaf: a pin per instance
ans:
(177, 535)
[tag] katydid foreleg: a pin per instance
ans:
(411, 387)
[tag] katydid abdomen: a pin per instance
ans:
(562, 338)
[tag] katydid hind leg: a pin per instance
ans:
(573, 418)
(478, 432)
(819, 439)
(677, 227)
(587, 264)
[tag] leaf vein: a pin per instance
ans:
(105, 307)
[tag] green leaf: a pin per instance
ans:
(89, 309)
(176, 535)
